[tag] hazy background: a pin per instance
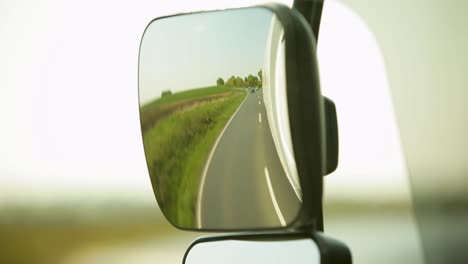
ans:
(70, 107)
(72, 159)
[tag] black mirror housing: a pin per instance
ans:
(204, 168)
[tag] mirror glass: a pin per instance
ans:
(214, 120)
(296, 251)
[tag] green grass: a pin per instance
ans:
(162, 107)
(177, 148)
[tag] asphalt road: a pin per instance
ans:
(244, 184)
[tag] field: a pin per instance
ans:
(56, 236)
(160, 108)
(188, 95)
(179, 131)
(48, 236)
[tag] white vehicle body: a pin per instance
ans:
(275, 100)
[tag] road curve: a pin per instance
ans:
(245, 185)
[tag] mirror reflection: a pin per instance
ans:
(210, 117)
(297, 251)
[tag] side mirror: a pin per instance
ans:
(299, 248)
(232, 139)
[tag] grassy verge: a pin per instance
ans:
(177, 148)
(162, 107)
(186, 95)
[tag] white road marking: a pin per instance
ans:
(259, 117)
(273, 198)
(258, 102)
(207, 164)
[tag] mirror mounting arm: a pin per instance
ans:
(312, 12)
(317, 224)
(332, 250)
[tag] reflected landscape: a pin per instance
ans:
(211, 151)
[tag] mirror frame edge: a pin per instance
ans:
(299, 40)
(307, 130)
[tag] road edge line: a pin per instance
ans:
(207, 164)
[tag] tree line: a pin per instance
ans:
(239, 82)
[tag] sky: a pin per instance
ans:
(69, 102)
(192, 51)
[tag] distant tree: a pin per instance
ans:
(220, 82)
(231, 82)
(260, 75)
(252, 81)
(166, 93)
(239, 82)
(244, 83)
(256, 80)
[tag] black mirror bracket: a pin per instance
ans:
(332, 251)
(331, 134)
